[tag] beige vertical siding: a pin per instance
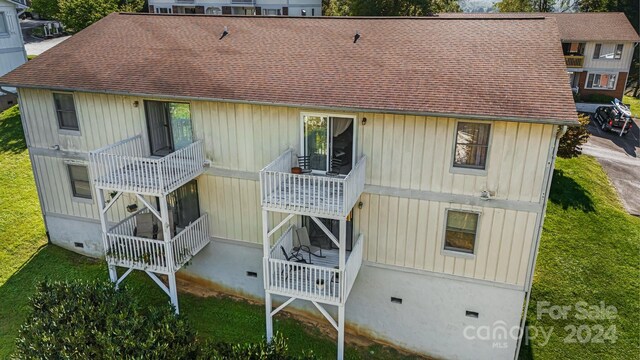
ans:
(404, 152)
(52, 177)
(410, 233)
(621, 64)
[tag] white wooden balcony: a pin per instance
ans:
(322, 281)
(159, 256)
(127, 166)
(310, 194)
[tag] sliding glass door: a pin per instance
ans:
(169, 126)
(328, 142)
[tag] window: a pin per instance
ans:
(618, 53)
(79, 178)
(472, 144)
(4, 29)
(184, 204)
(460, 232)
(169, 126)
(596, 51)
(608, 51)
(601, 81)
(65, 111)
(328, 142)
(162, 10)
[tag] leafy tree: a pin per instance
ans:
(525, 5)
(570, 144)
(47, 9)
(402, 7)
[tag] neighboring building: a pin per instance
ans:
(598, 48)
(12, 53)
(238, 7)
(430, 158)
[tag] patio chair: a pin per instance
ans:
(301, 242)
(294, 257)
(336, 166)
(148, 226)
(304, 162)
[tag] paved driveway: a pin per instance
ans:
(36, 46)
(620, 159)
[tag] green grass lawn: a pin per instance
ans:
(21, 227)
(635, 105)
(590, 251)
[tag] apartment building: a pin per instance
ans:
(238, 7)
(12, 53)
(378, 170)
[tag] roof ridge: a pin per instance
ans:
(433, 17)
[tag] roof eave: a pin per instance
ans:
(568, 122)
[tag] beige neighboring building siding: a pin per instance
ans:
(404, 153)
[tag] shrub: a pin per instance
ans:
(596, 98)
(93, 320)
(570, 144)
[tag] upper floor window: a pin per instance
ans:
(328, 143)
(79, 178)
(271, 12)
(608, 51)
(4, 28)
(65, 111)
(472, 145)
(601, 81)
(461, 230)
(169, 126)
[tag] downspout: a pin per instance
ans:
(538, 233)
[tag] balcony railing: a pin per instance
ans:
(244, 2)
(127, 166)
(574, 61)
(323, 283)
(125, 249)
(310, 194)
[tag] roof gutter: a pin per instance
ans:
(314, 106)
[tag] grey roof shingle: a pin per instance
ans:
(476, 68)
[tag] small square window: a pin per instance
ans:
(472, 144)
(460, 233)
(80, 184)
(66, 111)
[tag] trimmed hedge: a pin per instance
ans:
(93, 320)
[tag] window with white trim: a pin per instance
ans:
(472, 145)
(601, 81)
(4, 27)
(79, 178)
(608, 51)
(214, 10)
(66, 111)
(461, 231)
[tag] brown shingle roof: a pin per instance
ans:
(594, 26)
(476, 68)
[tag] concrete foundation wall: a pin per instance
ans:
(65, 231)
(431, 318)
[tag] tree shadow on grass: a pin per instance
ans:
(11, 134)
(567, 193)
